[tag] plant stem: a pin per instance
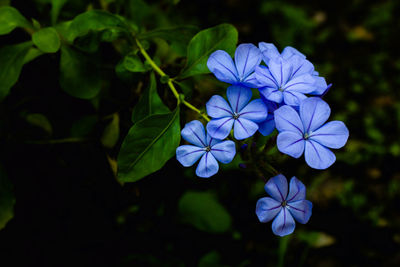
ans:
(170, 82)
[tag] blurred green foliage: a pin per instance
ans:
(76, 91)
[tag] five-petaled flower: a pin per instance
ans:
(299, 64)
(240, 114)
(209, 149)
(305, 132)
(283, 206)
(247, 58)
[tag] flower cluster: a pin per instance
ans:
(290, 101)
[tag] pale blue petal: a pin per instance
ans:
(207, 167)
(314, 112)
(317, 156)
(272, 94)
(319, 85)
(303, 84)
(267, 208)
(251, 81)
(247, 57)
(334, 134)
(290, 143)
(301, 66)
(194, 133)
(220, 128)
(187, 155)
(238, 96)
(277, 187)
(292, 98)
(265, 78)
(217, 107)
(297, 190)
(281, 70)
(268, 126)
(255, 111)
(224, 152)
(221, 64)
(289, 51)
(287, 119)
(301, 210)
(268, 51)
(283, 224)
(212, 141)
(244, 128)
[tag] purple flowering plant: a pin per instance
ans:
(288, 98)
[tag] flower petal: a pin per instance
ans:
(272, 94)
(212, 141)
(268, 126)
(217, 107)
(224, 152)
(297, 190)
(220, 128)
(267, 208)
(317, 156)
(251, 81)
(238, 96)
(247, 57)
(303, 84)
(301, 66)
(290, 143)
(277, 187)
(320, 86)
(194, 133)
(244, 128)
(221, 64)
(334, 134)
(281, 69)
(289, 51)
(208, 166)
(255, 111)
(314, 112)
(301, 210)
(265, 78)
(292, 98)
(268, 51)
(283, 223)
(287, 119)
(187, 155)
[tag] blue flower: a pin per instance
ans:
(240, 114)
(268, 126)
(306, 132)
(247, 57)
(209, 149)
(288, 77)
(284, 207)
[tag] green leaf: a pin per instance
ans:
(96, 20)
(133, 63)
(12, 59)
(79, 75)
(177, 37)
(56, 6)
(47, 40)
(221, 37)
(111, 132)
(149, 103)
(203, 211)
(150, 143)
(41, 121)
(10, 18)
(32, 53)
(7, 199)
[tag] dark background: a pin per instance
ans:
(71, 211)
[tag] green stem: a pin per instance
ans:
(170, 81)
(58, 141)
